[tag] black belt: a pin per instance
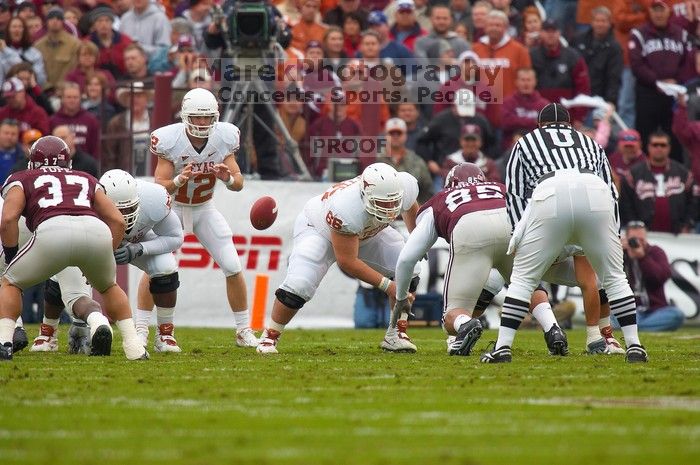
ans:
(552, 173)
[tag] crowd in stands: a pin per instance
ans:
(85, 68)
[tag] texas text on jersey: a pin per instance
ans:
(171, 143)
(53, 191)
(452, 203)
(340, 208)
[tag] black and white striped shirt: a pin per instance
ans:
(547, 149)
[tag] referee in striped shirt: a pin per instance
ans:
(560, 191)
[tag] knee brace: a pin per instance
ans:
(164, 284)
(52, 293)
(603, 296)
(414, 284)
(292, 301)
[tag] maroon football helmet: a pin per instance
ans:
(49, 151)
(464, 173)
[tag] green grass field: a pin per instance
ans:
(332, 397)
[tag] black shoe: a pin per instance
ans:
(19, 339)
(502, 355)
(596, 347)
(79, 339)
(636, 354)
(6, 351)
(556, 341)
(484, 322)
(101, 341)
(468, 334)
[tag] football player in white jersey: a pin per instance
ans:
(153, 232)
(348, 224)
(192, 155)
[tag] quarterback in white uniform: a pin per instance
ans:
(153, 232)
(202, 150)
(348, 224)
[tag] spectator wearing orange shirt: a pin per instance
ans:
(307, 29)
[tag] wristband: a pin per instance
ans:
(384, 284)
(10, 253)
(230, 181)
(178, 181)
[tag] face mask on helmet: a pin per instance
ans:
(121, 188)
(200, 112)
(381, 192)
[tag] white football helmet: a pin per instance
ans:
(121, 188)
(381, 192)
(199, 102)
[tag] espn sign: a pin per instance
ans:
(256, 252)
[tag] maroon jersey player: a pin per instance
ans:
(74, 224)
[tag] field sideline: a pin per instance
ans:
(332, 397)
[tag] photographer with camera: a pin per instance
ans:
(647, 269)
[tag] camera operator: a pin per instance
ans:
(215, 36)
(647, 270)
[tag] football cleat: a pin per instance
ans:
(165, 339)
(268, 342)
(101, 342)
(246, 338)
(468, 334)
(612, 346)
(46, 341)
(501, 355)
(79, 339)
(134, 350)
(396, 340)
(450, 339)
(6, 351)
(19, 339)
(636, 354)
(596, 347)
(556, 341)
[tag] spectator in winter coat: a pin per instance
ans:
(81, 122)
(25, 72)
(470, 152)
(10, 149)
(147, 25)
(441, 20)
(660, 192)
(336, 16)
(472, 76)
(628, 154)
(406, 30)
(307, 29)
(561, 71)
(388, 48)
(88, 54)
(21, 107)
(110, 42)
(520, 110)
(658, 51)
(688, 133)
(503, 56)
(8, 58)
(603, 56)
(17, 38)
(59, 48)
(408, 112)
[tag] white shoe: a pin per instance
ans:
(165, 340)
(246, 338)
(79, 339)
(396, 340)
(450, 339)
(268, 342)
(612, 346)
(46, 341)
(134, 350)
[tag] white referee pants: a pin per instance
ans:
(569, 208)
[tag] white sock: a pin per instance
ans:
(629, 332)
(130, 340)
(460, 320)
(164, 315)
(95, 320)
(7, 330)
(505, 337)
(51, 322)
(242, 320)
(276, 326)
(544, 316)
(592, 334)
(142, 319)
(19, 323)
(604, 322)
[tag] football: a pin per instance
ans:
(263, 213)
